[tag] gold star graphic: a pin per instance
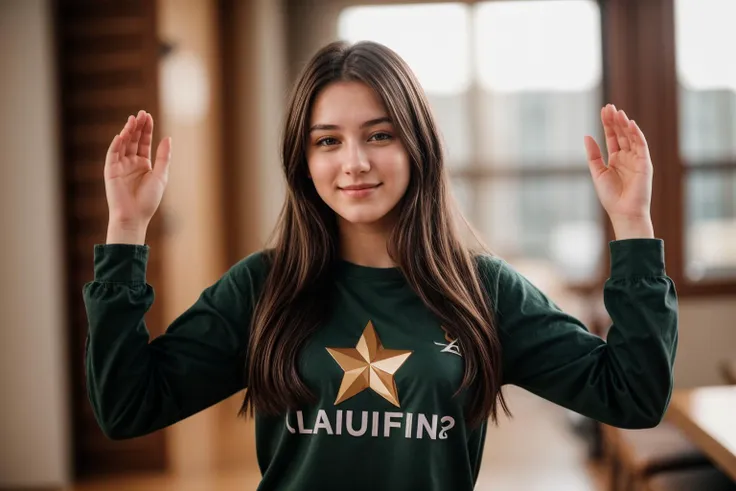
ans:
(369, 364)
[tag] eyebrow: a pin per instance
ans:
(371, 122)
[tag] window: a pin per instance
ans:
(515, 86)
(704, 41)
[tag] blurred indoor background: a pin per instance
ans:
(515, 85)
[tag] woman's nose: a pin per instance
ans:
(356, 160)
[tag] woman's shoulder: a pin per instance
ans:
(489, 265)
(252, 269)
(506, 284)
(255, 261)
(496, 274)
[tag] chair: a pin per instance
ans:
(635, 455)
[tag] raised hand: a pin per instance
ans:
(624, 186)
(133, 186)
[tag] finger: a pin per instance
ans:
(595, 158)
(623, 141)
(125, 135)
(611, 140)
(623, 120)
(163, 159)
(113, 151)
(640, 142)
(140, 122)
(144, 145)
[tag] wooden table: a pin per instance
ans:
(707, 416)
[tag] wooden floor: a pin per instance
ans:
(533, 452)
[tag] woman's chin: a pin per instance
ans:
(363, 217)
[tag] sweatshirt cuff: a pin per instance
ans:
(637, 257)
(120, 263)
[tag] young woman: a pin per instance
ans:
(372, 342)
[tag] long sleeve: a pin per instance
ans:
(137, 386)
(625, 381)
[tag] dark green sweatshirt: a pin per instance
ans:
(383, 369)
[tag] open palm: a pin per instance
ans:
(133, 186)
(624, 186)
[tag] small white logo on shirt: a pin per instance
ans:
(452, 345)
(450, 348)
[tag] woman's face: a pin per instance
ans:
(356, 160)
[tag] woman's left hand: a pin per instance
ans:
(624, 186)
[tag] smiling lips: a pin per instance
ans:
(359, 190)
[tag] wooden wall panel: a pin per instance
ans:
(108, 62)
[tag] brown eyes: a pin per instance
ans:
(324, 142)
(329, 141)
(380, 136)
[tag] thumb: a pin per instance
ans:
(163, 159)
(595, 158)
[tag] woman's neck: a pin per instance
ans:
(365, 244)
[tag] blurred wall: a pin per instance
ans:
(189, 86)
(707, 336)
(257, 58)
(34, 420)
(262, 87)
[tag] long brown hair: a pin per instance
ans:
(425, 243)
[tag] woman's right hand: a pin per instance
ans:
(133, 186)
